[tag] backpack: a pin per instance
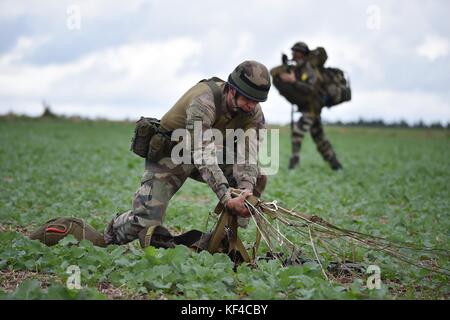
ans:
(336, 86)
(334, 83)
(318, 57)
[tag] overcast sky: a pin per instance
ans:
(123, 59)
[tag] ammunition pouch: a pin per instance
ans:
(160, 146)
(145, 129)
(58, 228)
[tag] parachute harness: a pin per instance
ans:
(293, 233)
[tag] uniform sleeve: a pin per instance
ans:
(201, 114)
(246, 173)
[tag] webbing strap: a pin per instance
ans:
(228, 221)
(256, 246)
(217, 93)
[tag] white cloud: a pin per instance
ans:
(145, 54)
(244, 46)
(135, 73)
(434, 47)
(349, 55)
(25, 46)
(50, 9)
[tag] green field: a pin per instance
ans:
(395, 184)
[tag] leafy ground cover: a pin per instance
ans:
(395, 184)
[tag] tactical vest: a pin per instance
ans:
(175, 118)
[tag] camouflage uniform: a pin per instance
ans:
(309, 101)
(164, 178)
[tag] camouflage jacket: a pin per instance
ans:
(197, 106)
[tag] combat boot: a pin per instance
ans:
(294, 162)
(335, 164)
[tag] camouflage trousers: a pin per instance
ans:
(159, 183)
(311, 123)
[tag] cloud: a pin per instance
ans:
(25, 46)
(140, 56)
(434, 47)
(129, 75)
(12, 9)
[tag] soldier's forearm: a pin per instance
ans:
(245, 175)
(224, 194)
(244, 184)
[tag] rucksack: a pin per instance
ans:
(336, 86)
(334, 83)
(318, 57)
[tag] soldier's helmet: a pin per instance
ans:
(300, 47)
(251, 79)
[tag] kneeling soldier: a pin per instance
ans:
(212, 104)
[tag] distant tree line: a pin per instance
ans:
(49, 114)
(381, 124)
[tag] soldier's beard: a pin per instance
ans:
(241, 111)
(233, 106)
(236, 106)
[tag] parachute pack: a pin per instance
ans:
(334, 83)
(335, 86)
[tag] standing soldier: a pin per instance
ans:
(300, 84)
(210, 104)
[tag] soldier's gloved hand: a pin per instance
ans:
(237, 205)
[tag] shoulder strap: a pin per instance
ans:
(217, 93)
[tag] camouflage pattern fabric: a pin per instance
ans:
(160, 182)
(163, 178)
(312, 123)
(251, 79)
(306, 93)
(198, 107)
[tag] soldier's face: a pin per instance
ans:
(296, 55)
(245, 104)
(238, 102)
